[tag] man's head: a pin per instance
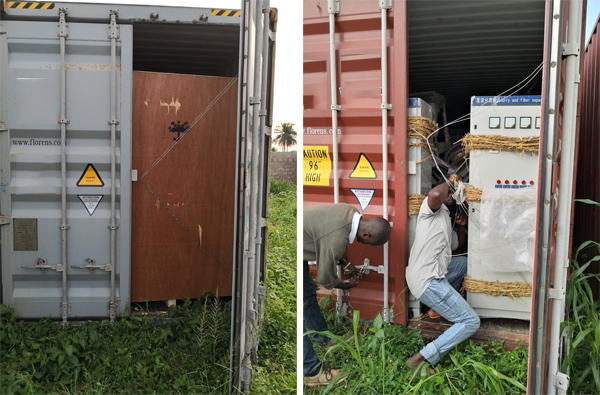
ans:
(373, 231)
(449, 202)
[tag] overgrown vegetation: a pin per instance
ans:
(275, 372)
(374, 360)
(582, 361)
(186, 353)
(140, 354)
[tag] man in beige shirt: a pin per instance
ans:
(328, 231)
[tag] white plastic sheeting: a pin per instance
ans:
(507, 223)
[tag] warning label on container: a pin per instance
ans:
(90, 177)
(363, 196)
(363, 168)
(90, 202)
(316, 165)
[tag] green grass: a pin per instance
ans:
(275, 372)
(135, 355)
(186, 354)
(373, 357)
(582, 360)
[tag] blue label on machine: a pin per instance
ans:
(506, 100)
(413, 102)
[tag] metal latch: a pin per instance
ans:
(561, 381)
(556, 293)
(386, 106)
(254, 100)
(42, 264)
(336, 107)
(366, 267)
(91, 265)
(63, 26)
(570, 49)
(333, 6)
(4, 220)
(114, 30)
(385, 4)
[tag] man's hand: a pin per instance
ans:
(454, 179)
(460, 219)
(351, 283)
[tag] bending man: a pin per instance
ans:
(427, 270)
(328, 231)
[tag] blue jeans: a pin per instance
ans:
(456, 271)
(446, 301)
(313, 320)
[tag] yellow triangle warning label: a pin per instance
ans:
(363, 168)
(90, 177)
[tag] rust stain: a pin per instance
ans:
(82, 67)
(174, 103)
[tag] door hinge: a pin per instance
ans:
(561, 382)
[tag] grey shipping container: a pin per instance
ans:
(66, 150)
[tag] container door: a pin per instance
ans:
(357, 74)
(257, 48)
(558, 140)
(42, 275)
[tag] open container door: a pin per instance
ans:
(558, 141)
(257, 48)
(65, 161)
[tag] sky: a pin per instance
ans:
(593, 10)
(287, 101)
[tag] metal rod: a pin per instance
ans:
(63, 33)
(113, 34)
(248, 306)
(333, 8)
(565, 188)
(263, 119)
(384, 124)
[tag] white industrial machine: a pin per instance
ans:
(419, 176)
(501, 239)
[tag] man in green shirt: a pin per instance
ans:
(328, 231)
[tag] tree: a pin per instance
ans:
(286, 135)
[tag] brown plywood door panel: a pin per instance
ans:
(184, 252)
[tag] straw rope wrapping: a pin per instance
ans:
(424, 126)
(473, 194)
(414, 203)
(512, 289)
(473, 142)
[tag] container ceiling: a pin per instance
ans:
(462, 48)
(186, 48)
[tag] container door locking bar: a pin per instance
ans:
(63, 33)
(91, 265)
(114, 33)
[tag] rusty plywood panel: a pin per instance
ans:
(183, 208)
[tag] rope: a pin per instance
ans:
(473, 142)
(512, 289)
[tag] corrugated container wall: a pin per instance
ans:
(587, 216)
(359, 87)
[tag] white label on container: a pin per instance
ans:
(412, 167)
(90, 202)
(363, 196)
